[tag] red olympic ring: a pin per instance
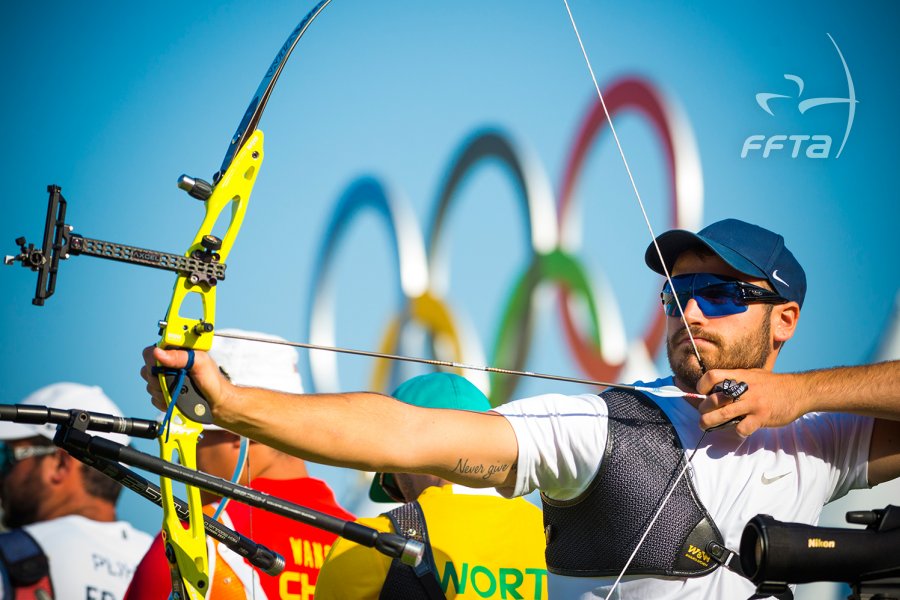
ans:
(685, 199)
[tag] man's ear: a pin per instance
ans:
(784, 321)
(60, 466)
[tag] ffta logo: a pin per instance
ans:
(815, 146)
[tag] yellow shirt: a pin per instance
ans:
(484, 546)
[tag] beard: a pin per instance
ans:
(750, 352)
(19, 491)
(19, 503)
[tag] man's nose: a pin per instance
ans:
(692, 311)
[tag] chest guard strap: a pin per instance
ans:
(404, 582)
(593, 535)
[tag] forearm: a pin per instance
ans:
(346, 430)
(373, 432)
(872, 390)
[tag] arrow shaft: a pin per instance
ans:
(458, 365)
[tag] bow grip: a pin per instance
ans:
(190, 401)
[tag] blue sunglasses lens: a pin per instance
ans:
(716, 297)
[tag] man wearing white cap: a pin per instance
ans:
(65, 538)
(264, 468)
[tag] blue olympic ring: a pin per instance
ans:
(365, 194)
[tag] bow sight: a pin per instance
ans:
(774, 554)
(202, 267)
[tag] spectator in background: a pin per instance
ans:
(65, 538)
(479, 544)
(265, 469)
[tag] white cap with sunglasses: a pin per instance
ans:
(63, 396)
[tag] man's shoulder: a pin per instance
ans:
(552, 404)
(23, 564)
(73, 529)
(18, 540)
(52, 526)
(826, 425)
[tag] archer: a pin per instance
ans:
(611, 466)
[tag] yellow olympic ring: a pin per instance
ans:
(437, 319)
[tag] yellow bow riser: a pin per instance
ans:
(186, 547)
(233, 189)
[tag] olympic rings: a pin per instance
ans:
(530, 182)
(423, 276)
(435, 315)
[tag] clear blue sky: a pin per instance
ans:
(113, 101)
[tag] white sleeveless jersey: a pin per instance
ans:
(90, 559)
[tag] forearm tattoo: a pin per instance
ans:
(486, 472)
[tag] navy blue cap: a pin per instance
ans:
(747, 248)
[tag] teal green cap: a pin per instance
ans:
(433, 390)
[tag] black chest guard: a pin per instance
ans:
(593, 535)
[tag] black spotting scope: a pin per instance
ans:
(774, 554)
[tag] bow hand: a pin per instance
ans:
(204, 380)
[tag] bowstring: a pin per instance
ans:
(662, 391)
(668, 277)
(634, 187)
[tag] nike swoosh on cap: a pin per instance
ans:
(777, 278)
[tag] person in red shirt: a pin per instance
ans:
(265, 469)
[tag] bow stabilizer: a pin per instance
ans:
(73, 426)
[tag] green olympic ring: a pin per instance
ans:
(514, 334)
